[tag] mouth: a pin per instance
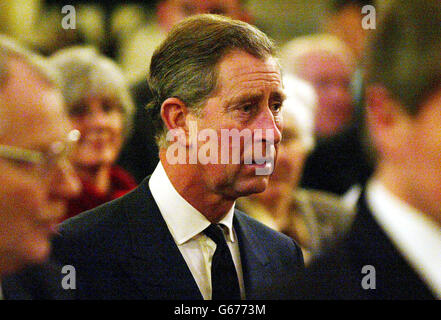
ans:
(97, 138)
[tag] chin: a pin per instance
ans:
(256, 186)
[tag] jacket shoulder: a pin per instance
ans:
(272, 241)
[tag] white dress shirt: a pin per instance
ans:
(415, 235)
(186, 225)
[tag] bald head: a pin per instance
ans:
(326, 63)
(33, 194)
(28, 103)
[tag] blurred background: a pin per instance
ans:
(322, 166)
(37, 21)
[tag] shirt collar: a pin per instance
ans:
(416, 235)
(183, 220)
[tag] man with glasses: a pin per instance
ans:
(36, 178)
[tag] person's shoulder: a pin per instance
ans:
(258, 227)
(328, 276)
(87, 221)
(105, 227)
(271, 239)
(324, 201)
(37, 282)
(108, 215)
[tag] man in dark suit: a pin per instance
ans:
(212, 78)
(393, 250)
(36, 177)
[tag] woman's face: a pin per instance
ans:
(100, 121)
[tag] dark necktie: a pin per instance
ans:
(224, 282)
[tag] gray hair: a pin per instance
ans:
(292, 52)
(185, 64)
(86, 73)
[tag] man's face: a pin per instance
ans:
(175, 11)
(331, 79)
(422, 157)
(31, 203)
(248, 98)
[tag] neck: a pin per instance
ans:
(402, 187)
(98, 176)
(186, 179)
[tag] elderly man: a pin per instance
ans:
(393, 250)
(338, 161)
(36, 177)
(325, 62)
(137, 52)
(178, 235)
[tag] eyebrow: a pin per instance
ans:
(255, 96)
(278, 95)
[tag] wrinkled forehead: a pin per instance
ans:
(241, 71)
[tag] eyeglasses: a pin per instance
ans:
(56, 152)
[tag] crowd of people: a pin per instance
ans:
(207, 163)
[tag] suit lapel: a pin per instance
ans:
(157, 265)
(255, 262)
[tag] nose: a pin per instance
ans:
(271, 123)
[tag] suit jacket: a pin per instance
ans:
(38, 282)
(337, 274)
(324, 215)
(124, 250)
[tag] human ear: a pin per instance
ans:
(173, 113)
(388, 124)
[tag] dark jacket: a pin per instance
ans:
(38, 282)
(339, 273)
(124, 250)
